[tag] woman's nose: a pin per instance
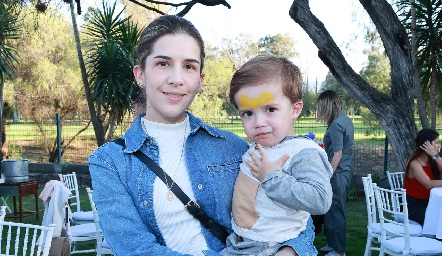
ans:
(175, 76)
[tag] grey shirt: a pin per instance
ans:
(340, 136)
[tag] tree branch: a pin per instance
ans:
(147, 7)
(332, 57)
(188, 5)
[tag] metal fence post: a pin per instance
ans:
(386, 155)
(57, 116)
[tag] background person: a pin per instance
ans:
(422, 173)
(273, 197)
(338, 143)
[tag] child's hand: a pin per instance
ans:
(261, 167)
(286, 251)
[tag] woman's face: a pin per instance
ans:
(171, 77)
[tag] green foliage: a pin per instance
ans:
(351, 104)
(9, 31)
(376, 70)
(111, 59)
(309, 99)
(371, 124)
(239, 50)
(429, 45)
(206, 107)
(14, 150)
(278, 45)
(48, 79)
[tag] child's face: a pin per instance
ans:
(266, 113)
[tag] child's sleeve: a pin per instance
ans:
(306, 184)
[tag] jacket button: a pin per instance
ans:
(146, 203)
(200, 186)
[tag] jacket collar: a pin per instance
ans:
(135, 136)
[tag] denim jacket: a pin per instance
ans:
(123, 186)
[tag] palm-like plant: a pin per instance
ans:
(428, 29)
(9, 31)
(110, 63)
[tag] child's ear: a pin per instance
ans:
(297, 108)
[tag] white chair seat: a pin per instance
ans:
(418, 245)
(394, 229)
(83, 230)
(400, 218)
(78, 216)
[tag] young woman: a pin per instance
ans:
(139, 214)
(338, 143)
(422, 173)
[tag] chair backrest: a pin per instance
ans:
(24, 239)
(387, 201)
(70, 181)
(100, 238)
(370, 200)
(396, 180)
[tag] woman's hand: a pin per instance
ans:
(430, 148)
(261, 167)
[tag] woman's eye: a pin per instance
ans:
(162, 64)
(270, 109)
(191, 67)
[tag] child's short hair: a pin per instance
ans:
(265, 69)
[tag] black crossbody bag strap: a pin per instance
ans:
(189, 205)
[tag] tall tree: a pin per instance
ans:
(9, 31)
(393, 110)
(110, 63)
(48, 79)
(424, 19)
(278, 45)
(96, 123)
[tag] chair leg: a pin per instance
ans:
(368, 247)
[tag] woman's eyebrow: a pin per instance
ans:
(169, 58)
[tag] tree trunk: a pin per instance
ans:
(2, 84)
(417, 85)
(433, 92)
(96, 122)
(395, 111)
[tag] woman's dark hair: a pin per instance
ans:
(421, 137)
(166, 25)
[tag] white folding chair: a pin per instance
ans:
(78, 216)
(5, 203)
(102, 247)
(373, 226)
(402, 243)
(24, 239)
(396, 180)
(81, 234)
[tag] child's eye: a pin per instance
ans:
(270, 109)
(246, 114)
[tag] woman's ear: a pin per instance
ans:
(138, 73)
(202, 76)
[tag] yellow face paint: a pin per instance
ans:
(264, 98)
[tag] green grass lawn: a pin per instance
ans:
(356, 222)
